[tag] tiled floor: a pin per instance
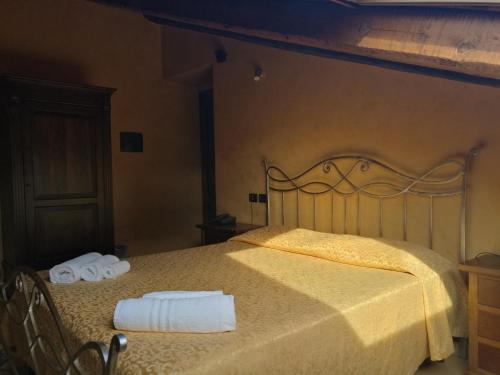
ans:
(452, 366)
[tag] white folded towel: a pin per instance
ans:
(94, 271)
(69, 271)
(201, 315)
(114, 270)
(176, 294)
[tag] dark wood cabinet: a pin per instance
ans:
(56, 196)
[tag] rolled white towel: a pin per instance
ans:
(69, 271)
(95, 271)
(200, 315)
(114, 270)
(176, 294)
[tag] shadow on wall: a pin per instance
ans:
(40, 67)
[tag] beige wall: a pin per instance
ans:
(157, 195)
(308, 107)
(305, 108)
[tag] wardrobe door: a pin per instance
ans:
(64, 181)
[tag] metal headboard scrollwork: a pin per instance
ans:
(338, 177)
(27, 307)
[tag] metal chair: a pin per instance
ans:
(39, 341)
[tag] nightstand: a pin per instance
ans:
(484, 314)
(214, 233)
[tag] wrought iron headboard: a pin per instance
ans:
(450, 178)
(26, 305)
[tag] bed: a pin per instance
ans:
(306, 301)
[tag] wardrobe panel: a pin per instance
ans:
(62, 232)
(56, 171)
(63, 155)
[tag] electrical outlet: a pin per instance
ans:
(263, 198)
(252, 197)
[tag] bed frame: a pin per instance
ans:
(24, 302)
(338, 175)
(25, 299)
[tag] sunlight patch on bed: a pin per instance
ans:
(373, 308)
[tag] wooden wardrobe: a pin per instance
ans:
(55, 149)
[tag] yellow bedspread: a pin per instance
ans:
(295, 314)
(443, 290)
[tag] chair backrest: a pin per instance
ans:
(32, 332)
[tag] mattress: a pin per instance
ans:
(296, 314)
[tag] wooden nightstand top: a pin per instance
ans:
(485, 265)
(237, 228)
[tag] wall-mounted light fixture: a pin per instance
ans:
(258, 74)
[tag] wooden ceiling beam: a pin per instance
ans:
(455, 44)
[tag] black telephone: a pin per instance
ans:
(223, 219)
